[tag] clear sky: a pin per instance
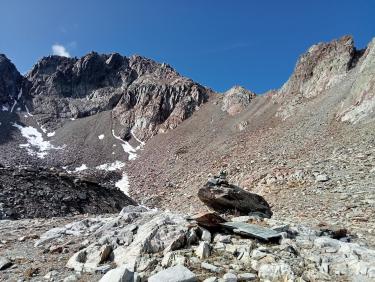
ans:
(215, 42)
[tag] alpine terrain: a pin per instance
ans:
(117, 168)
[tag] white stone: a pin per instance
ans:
(246, 276)
(230, 277)
(321, 178)
(211, 267)
(119, 274)
(211, 279)
(206, 235)
(203, 250)
(222, 238)
(276, 271)
(176, 273)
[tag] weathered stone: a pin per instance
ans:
(227, 198)
(246, 276)
(172, 259)
(176, 273)
(211, 267)
(229, 277)
(206, 235)
(4, 263)
(321, 178)
(252, 230)
(119, 274)
(244, 218)
(276, 271)
(203, 250)
(211, 279)
(223, 238)
(208, 219)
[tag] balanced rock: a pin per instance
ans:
(223, 197)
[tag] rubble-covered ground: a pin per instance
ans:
(140, 244)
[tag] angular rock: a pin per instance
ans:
(203, 250)
(176, 273)
(4, 263)
(206, 235)
(276, 271)
(229, 277)
(211, 267)
(211, 279)
(246, 276)
(223, 238)
(223, 197)
(120, 274)
(208, 219)
(252, 230)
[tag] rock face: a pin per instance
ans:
(334, 66)
(236, 100)
(147, 97)
(321, 67)
(223, 197)
(361, 105)
(37, 192)
(12, 84)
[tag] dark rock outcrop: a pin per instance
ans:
(12, 84)
(223, 197)
(38, 192)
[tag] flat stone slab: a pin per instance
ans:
(178, 273)
(252, 230)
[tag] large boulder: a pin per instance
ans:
(223, 197)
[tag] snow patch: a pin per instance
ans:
(51, 134)
(101, 136)
(4, 108)
(129, 149)
(14, 104)
(28, 112)
(111, 166)
(123, 184)
(138, 140)
(81, 168)
(36, 145)
(43, 129)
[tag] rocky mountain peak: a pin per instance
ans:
(236, 99)
(11, 82)
(144, 94)
(322, 66)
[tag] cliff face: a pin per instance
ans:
(146, 96)
(336, 66)
(12, 84)
(322, 66)
(360, 105)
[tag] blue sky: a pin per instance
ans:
(217, 43)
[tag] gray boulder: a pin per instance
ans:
(120, 274)
(176, 273)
